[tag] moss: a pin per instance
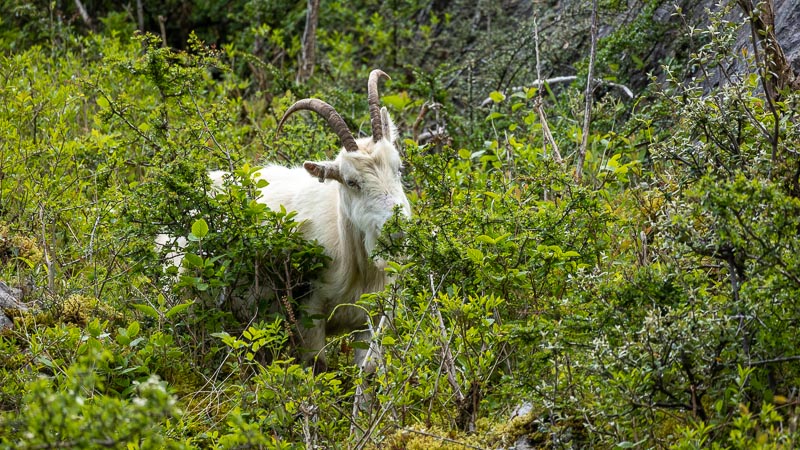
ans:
(421, 438)
(507, 433)
(13, 245)
(80, 309)
(76, 309)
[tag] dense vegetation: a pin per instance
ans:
(652, 304)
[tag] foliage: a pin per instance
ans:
(652, 305)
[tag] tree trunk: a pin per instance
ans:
(140, 15)
(309, 52)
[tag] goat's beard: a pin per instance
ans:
(370, 241)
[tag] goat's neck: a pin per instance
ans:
(354, 246)
(353, 243)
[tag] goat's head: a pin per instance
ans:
(368, 169)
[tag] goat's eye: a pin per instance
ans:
(353, 184)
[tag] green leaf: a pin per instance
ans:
(177, 309)
(530, 118)
(133, 329)
(94, 328)
(200, 228)
(502, 238)
(497, 96)
(147, 310)
(613, 163)
(494, 115)
(475, 255)
(191, 260)
(122, 337)
(393, 267)
(46, 361)
(387, 340)
(27, 261)
(486, 239)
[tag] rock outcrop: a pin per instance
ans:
(9, 300)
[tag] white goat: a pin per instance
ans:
(343, 207)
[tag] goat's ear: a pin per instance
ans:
(389, 129)
(324, 170)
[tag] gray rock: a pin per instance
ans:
(5, 322)
(9, 299)
(787, 26)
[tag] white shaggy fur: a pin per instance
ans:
(342, 204)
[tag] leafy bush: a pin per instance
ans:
(653, 304)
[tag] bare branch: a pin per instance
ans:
(84, 14)
(764, 362)
(563, 79)
(587, 116)
(447, 356)
(547, 134)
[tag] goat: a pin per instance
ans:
(343, 206)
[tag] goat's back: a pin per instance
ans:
(316, 203)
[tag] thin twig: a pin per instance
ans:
(587, 116)
(562, 79)
(90, 252)
(775, 360)
(47, 261)
(133, 127)
(447, 355)
(539, 92)
(547, 134)
(213, 139)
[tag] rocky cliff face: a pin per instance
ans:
(696, 13)
(787, 29)
(787, 26)
(639, 36)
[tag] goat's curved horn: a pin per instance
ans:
(325, 110)
(375, 103)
